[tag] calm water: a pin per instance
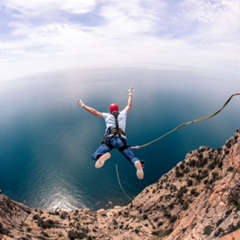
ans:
(46, 140)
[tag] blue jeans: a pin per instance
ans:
(116, 142)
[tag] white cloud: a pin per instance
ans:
(39, 7)
(45, 35)
(78, 6)
(133, 17)
(218, 18)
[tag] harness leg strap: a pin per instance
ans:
(124, 147)
(107, 142)
(109, 145)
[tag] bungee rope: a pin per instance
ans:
(119, 182)
(174, 130)
(186, 124)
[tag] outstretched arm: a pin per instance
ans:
(89, 109)
(130, 99)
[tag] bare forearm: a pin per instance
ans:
(89, 109)
(130, 101)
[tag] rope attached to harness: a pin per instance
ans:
(186, 124)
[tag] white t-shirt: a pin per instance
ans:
(110, 120)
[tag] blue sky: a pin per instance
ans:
(39, 36)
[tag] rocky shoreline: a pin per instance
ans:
(197, 199)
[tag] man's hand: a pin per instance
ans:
(130, 91)
(80, 102)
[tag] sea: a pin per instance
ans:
(47, 140)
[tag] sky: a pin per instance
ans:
(41, 36)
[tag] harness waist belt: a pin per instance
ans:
(116, 131)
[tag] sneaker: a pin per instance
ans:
(139, 165)
(100, 162)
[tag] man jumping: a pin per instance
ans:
(115, 137)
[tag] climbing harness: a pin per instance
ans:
(186, 124)
(113, 132)
(117, 130)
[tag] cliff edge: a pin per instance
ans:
(198, 199)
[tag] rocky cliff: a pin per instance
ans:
(198, 199)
